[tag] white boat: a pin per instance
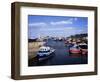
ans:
(45, 52)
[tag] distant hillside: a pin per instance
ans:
(79, 35)
(32, 40)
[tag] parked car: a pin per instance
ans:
(75, 50)
(84, 48)
(45, 52)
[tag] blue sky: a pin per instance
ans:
(63, 26)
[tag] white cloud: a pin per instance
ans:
(59, 29)
(61, 22)
(70, 28)
(69, 21)
(38, 24)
